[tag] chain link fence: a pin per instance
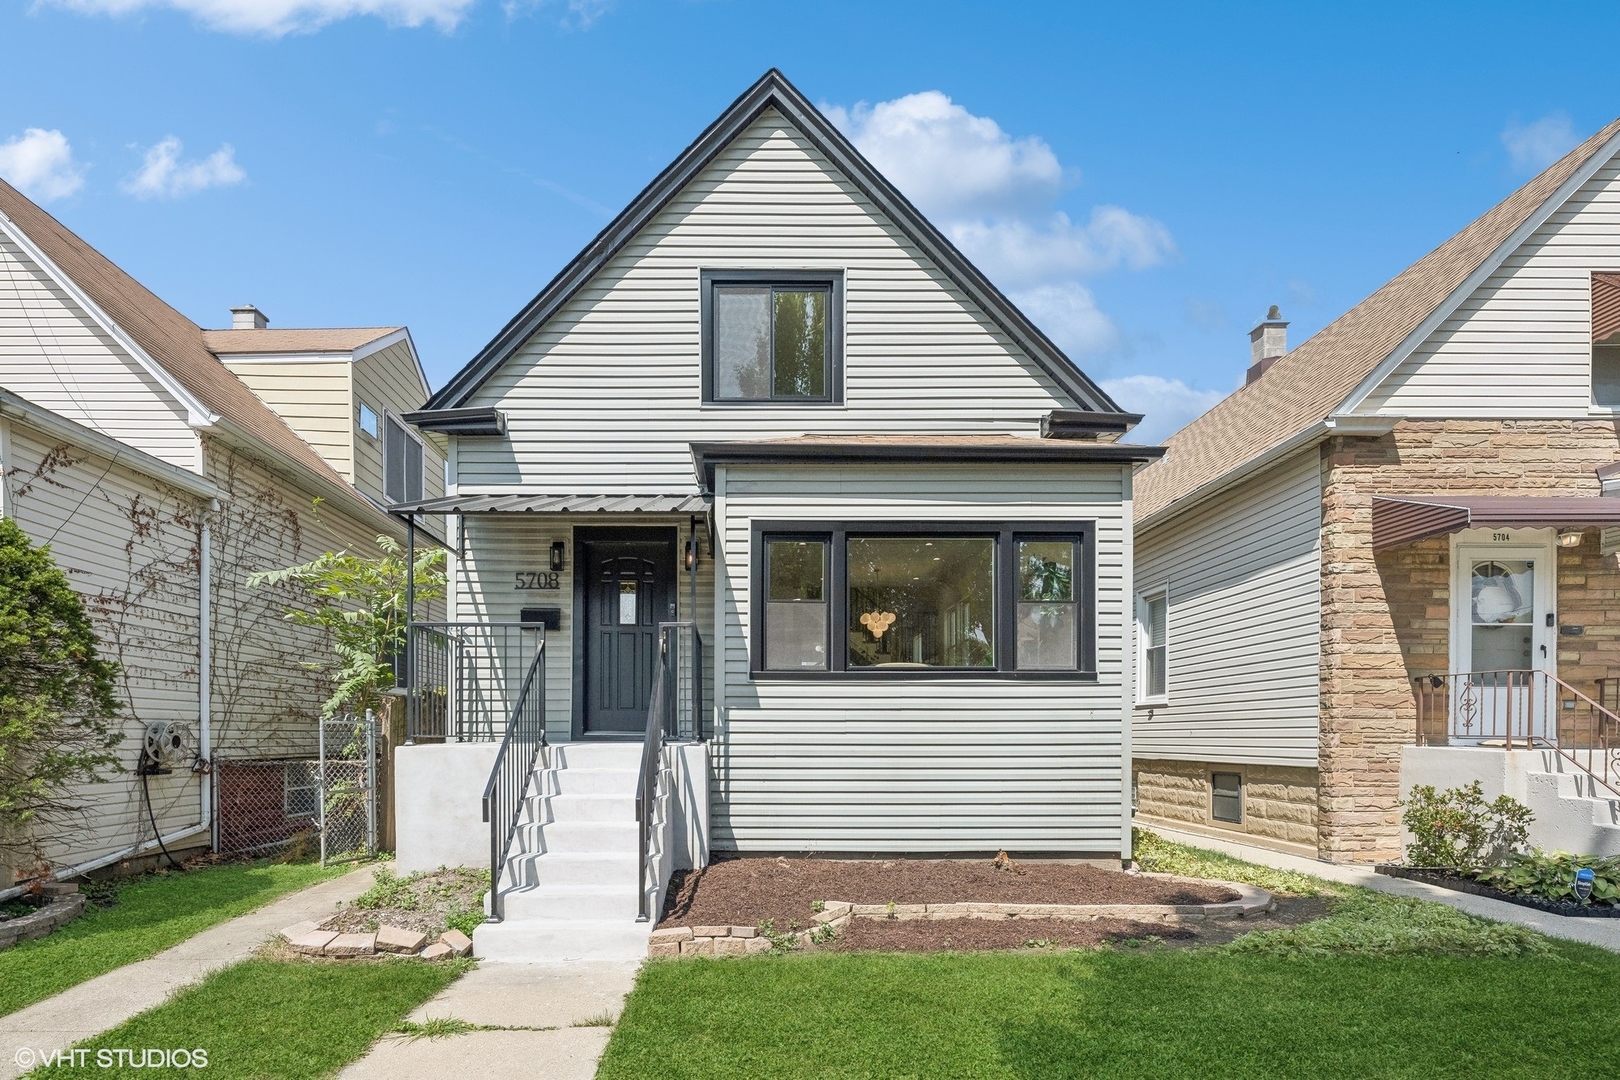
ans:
(329, 802)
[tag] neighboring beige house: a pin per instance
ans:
(161, 481)
(1396, 534)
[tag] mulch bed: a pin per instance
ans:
(749, 891)
(1458, 883)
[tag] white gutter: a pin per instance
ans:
(1333, 425)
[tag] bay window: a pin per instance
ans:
(889, 600)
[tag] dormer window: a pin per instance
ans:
(772, 337)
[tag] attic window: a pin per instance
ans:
(1606, 341)
(772, 337)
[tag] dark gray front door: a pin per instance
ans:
(630, 589)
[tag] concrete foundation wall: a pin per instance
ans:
(1564, 821)
(438, 810)
(1279, 802)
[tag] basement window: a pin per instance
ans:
(1226, 797)
(298, 790)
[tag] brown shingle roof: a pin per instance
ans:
(334, 339)
(1308, 384)
(168, 337)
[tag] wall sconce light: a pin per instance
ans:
(557, 550)
(1570, 538)
(691, 559)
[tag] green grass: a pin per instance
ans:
(1152, 1013)
(264, 1018)
(1159, 856)
(150, 914)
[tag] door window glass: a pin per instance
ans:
(627, 602)
(1502, 614)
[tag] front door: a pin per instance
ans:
(1501, 637)
(629, 590)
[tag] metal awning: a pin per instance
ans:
(1398, 520)
(558, 504)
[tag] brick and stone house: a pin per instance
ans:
(1388, 559)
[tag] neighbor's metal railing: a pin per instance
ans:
(1526, 710)
(504, 794)
(675, 710)
(462, 679)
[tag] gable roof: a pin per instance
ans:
(171, 340)
(1309, 384)
(772, 91)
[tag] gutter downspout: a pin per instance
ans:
(205, 670)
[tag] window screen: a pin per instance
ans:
(771, 340)
(1226, 796)
(1155, 610)
(796, 604)
(402, 464)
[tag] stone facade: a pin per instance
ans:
(1279, 803)
(1386, 618)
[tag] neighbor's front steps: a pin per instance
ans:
(85, 1011)
(1604, 933)
(569, 891)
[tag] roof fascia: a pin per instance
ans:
(1336, 425)
(773, 91)
(1516, 239)
(197, 414)
(25, 412)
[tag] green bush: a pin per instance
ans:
(1458, 830)
(1366, 923)
(1552, 876)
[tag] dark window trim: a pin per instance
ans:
(832, 279)
(1006, 534)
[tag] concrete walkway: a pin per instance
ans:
(544, 1001)
(1604, 933)
(86, 1010)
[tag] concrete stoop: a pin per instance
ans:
(1572, 811)
(569, 889)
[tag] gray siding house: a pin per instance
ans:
(828, 545)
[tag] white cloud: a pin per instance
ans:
(577, 14)
(1167, 405)
(277, 17)
(40, 164)
(996, 197)
(163, 175)
(1534, 146)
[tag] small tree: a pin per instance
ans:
(57, 701)
(360, 602)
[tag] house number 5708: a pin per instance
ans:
(530, 579)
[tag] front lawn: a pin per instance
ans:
(266, 1018)
(1145, 1013)
(146, 916)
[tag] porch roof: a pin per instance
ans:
(525, 503)
(1398, 520)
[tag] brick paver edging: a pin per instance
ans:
(66, 905)
(836, 914)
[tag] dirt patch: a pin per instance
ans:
(429, 902)
(747, 892)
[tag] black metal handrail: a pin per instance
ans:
(514, 767)
(459, 677)
(663, 718)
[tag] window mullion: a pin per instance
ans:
(838, 610)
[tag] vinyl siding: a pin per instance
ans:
(606, 397)
(1244, 622)
(314, 397)
(1520, 346)
(387, 379)
(128, 545)
(955, 765)
(499, 545)
(53, 353)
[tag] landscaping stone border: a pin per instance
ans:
(66, 904)
(836, 914)
(308, 938)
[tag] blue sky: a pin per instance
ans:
(1145, 181)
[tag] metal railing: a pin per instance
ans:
(1526, 710)
(675, 710)
(462, 679)
(508, 784)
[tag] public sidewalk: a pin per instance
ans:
(542, 1004)
(106, 1001)
(1604, 933)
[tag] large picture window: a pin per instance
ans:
(877, 600)
(771, 337)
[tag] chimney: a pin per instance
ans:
(248, 317)
(1267, 344)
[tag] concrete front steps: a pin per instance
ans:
(569, 891)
